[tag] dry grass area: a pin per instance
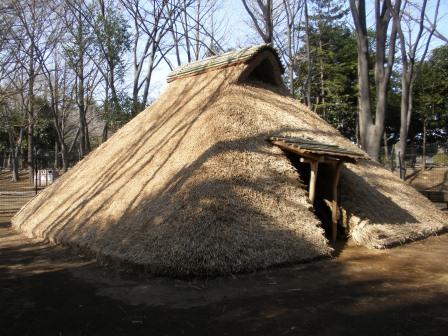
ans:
(433, 179)
(13, 195)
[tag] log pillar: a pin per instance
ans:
(313, 178)
(335, 208)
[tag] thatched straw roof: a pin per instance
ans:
(191, 186)
(221, 61)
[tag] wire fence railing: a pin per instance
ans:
(416, 156)
(45, 169)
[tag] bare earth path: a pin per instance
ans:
(46, 290)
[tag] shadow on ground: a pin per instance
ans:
(50, 291)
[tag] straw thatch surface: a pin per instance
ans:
(191, 186)
(221, 61)
(384, 211)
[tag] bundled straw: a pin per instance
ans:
(191, 186)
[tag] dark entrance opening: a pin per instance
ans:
(324, 188)
(324, 196)
(263, 72)
(323, 163)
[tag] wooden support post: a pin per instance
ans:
(313, 178)
(335, 208)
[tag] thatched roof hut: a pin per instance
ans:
(192, 185)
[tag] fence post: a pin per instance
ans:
(392, 159)
(35, 172)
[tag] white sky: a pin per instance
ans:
(239, 34)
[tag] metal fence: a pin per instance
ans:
(432, 155)
(14, 194)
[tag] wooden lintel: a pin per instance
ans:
(330, 160)
(348, 159)
(292, 149)
(321, 157)
(338, 159)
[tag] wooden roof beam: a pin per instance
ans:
(323, 158)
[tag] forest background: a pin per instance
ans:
(72, 72)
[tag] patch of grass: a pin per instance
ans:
(440, 159)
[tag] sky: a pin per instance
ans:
(240, 34)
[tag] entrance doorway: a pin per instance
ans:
(325, 201)
(319, 166)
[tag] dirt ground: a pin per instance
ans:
(14, 194)
(48, 290)
(7, 185)
(434, 179)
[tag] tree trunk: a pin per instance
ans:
(15, 159)
(148, 79)
(106, 113)
(83, 139)
(269, 22)
(291, 63)
(404, 118)
(64, 157)
(424, 145)
(386, 148)
(308, 57)
(80, 85)
(22, 155)
(371, 127)
(56, 161)
(113, 90)
(15, 148)
(186, 33)
(401, 154)
(372, 142)
(8, 161)
(407, 77)
(321, 78)
(72, 146)
(197, 30)
(357, 123)
(105, 131)
(15, 169)
(365, 123)
(30, 155)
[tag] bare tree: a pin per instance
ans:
(152, 24)
(429, 25)
(111, 43)
(8, 47)
(308, 56)
(76, 51)
(409, 48)
(13, 115)
(287, 39)
(28, 34)
(197, 32)
(371, 125)
(50, 58)
(261, 13)
(13, 82)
